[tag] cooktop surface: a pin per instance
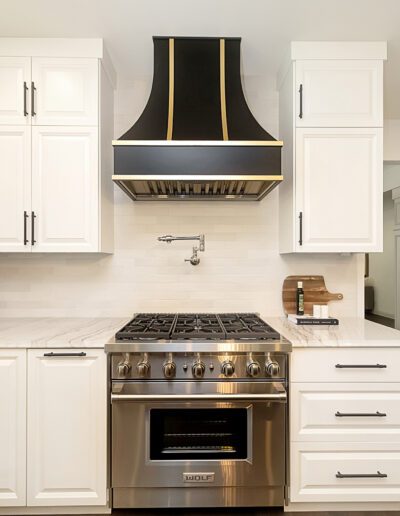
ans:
(224, 326)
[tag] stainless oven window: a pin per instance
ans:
(198, 434)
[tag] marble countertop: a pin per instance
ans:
(351, 332)
(94, 332)
(58, 332)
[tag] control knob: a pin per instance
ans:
(253, 369)
(124, 368)
(169, 369)
(272, 368)
(198, 369)
(228, 368)
(143, 368)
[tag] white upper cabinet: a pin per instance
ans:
(12, 427)
(65, 191)
(56, 127)
(339, 189)
(15, 190)
(65, 91)
(67, 427)
(339, 93)
(15, 83)
(331, 124)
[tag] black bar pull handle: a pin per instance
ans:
(25, 106)
(301, 101)
(25, 235)
(378, 474)
(51, 354)
(33, 89)
(301, 228)
(33, 227)
(360, 414)
(361, 366)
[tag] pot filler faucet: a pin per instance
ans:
(194, 259)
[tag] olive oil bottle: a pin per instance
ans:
(300, 298)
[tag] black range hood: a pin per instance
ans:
(196, 138)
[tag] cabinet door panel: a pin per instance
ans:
(345, 412)
(67, 428)
(15, 187)
(337, 93)
(12, 427)
(65, 188)
(315, 468)
(66, 91)
(348, 365)
(14, 72)
(339, 189)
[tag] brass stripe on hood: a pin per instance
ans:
(224, 121)
(170, 126)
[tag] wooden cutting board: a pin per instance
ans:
(315, 293)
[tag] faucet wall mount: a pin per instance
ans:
(194, 259)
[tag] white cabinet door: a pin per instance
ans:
(339, 190)
(12, 427)
(65, 189)
(15, 188)
(15, 84)
(67, 420)
(66, 91)
(336, 93)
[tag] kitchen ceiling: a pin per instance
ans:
(266, 26)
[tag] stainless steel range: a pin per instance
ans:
(198, 411)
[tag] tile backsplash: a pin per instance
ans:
(240, 270)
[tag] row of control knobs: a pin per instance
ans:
(199, 369)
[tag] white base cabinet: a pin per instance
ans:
(53, 431)
(344, 427)
(12, 427)
(67, 445)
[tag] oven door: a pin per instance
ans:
(198, 439)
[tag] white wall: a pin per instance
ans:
(391, 176)
(391, 140)
(241, 268)
(382, 272)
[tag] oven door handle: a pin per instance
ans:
(280, 396)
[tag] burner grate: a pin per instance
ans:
(197, 326)
(153, 326)
(246, 326)
(147, 326)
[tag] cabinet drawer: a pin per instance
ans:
(345, 365)
(332, 473)
(345, 412)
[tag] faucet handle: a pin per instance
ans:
(194, 259)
